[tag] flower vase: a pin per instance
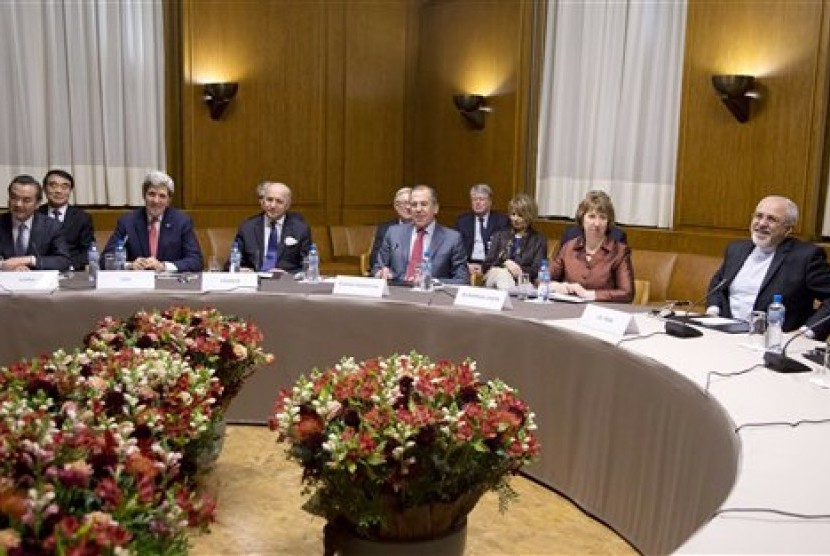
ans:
(200, 455)
(344, 541)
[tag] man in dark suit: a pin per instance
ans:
(771, 263)
(274, 238)
(401, 206)
(78, 230)
(158, 236)
(29, 240)
(399, 253)
(479, 224)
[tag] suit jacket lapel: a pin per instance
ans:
(746, 249)
(435, 242)
(140, 236)
(775, 265)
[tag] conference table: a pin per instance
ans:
(679, 445)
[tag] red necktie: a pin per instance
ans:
(154, 237)
(416, 257)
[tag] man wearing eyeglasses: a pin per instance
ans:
(478, 225)
(78, 230)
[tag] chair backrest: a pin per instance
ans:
(207, 248)
(656, 267)
(101, 238)
(641, 291)
(691, 276)
(351, 241)
(220, 241)
(553, 247)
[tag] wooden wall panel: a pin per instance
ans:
(469, 47)
(725, 167)
(320, 104)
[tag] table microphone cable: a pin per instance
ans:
(784, 513)
(710, 374)
(639, 337)
(791, 424)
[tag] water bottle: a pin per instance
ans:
(93, 262)
(426, 273)
(775, 323)
(543, 290)
(235, 260)
(313, 272)
(120, 255)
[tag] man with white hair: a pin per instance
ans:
(772, 262)
(158, 236)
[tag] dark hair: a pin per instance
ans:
(26, 179)
(62, 173)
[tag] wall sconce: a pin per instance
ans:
(735, 91)
(218, 96)
(472, 107)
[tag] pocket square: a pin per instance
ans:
(290, 241)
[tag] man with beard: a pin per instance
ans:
(770, 263)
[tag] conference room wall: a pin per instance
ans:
(375, 110)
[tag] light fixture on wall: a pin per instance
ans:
(218, 96)
(735, 91)
(472, 107)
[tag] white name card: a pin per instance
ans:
(360, 287)
(229, 281)
(608, 320)
(126, 280)
(33, 281)
(482, 298)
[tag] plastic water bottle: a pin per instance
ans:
(543, 279)
(120, 255)
(313, 272)
(93, 262)
(775, 323)
(235, 260)
(426, 273)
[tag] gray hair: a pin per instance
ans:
(260, 189)
(157, 178)
(481, 189)
(402, 191)
(792, 213)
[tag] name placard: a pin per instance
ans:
(360, 287)
(229, 281)
(33, 281)
(126, 280)
(482, 298)
(608, 320)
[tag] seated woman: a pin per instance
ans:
(516, 250)
(594, 265)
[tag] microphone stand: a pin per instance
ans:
(680, 329)
(780, 363)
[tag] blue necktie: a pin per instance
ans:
(273, 248)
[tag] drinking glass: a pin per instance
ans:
(524, 285)
(109, 261)
(213, 264)
(757, 329)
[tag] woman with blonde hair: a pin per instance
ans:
(517, 250)
(593, 265)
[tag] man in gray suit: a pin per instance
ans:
(399, 250)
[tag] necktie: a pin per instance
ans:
(481, 232)
(416, 257)
(154, 236)
(21, 243)
(273, 248)
(56, 214)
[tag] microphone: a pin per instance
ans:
(780, 363)
(682, 330)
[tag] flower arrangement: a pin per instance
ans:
(387, 436)
(89, 452)
(205, 338)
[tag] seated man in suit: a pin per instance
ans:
(78, 230)
(158, 236)
(401, 206)
(274, 238)
(29, 240)
(575, 230)
(404, 245)
(479, 224)
(772, 262)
